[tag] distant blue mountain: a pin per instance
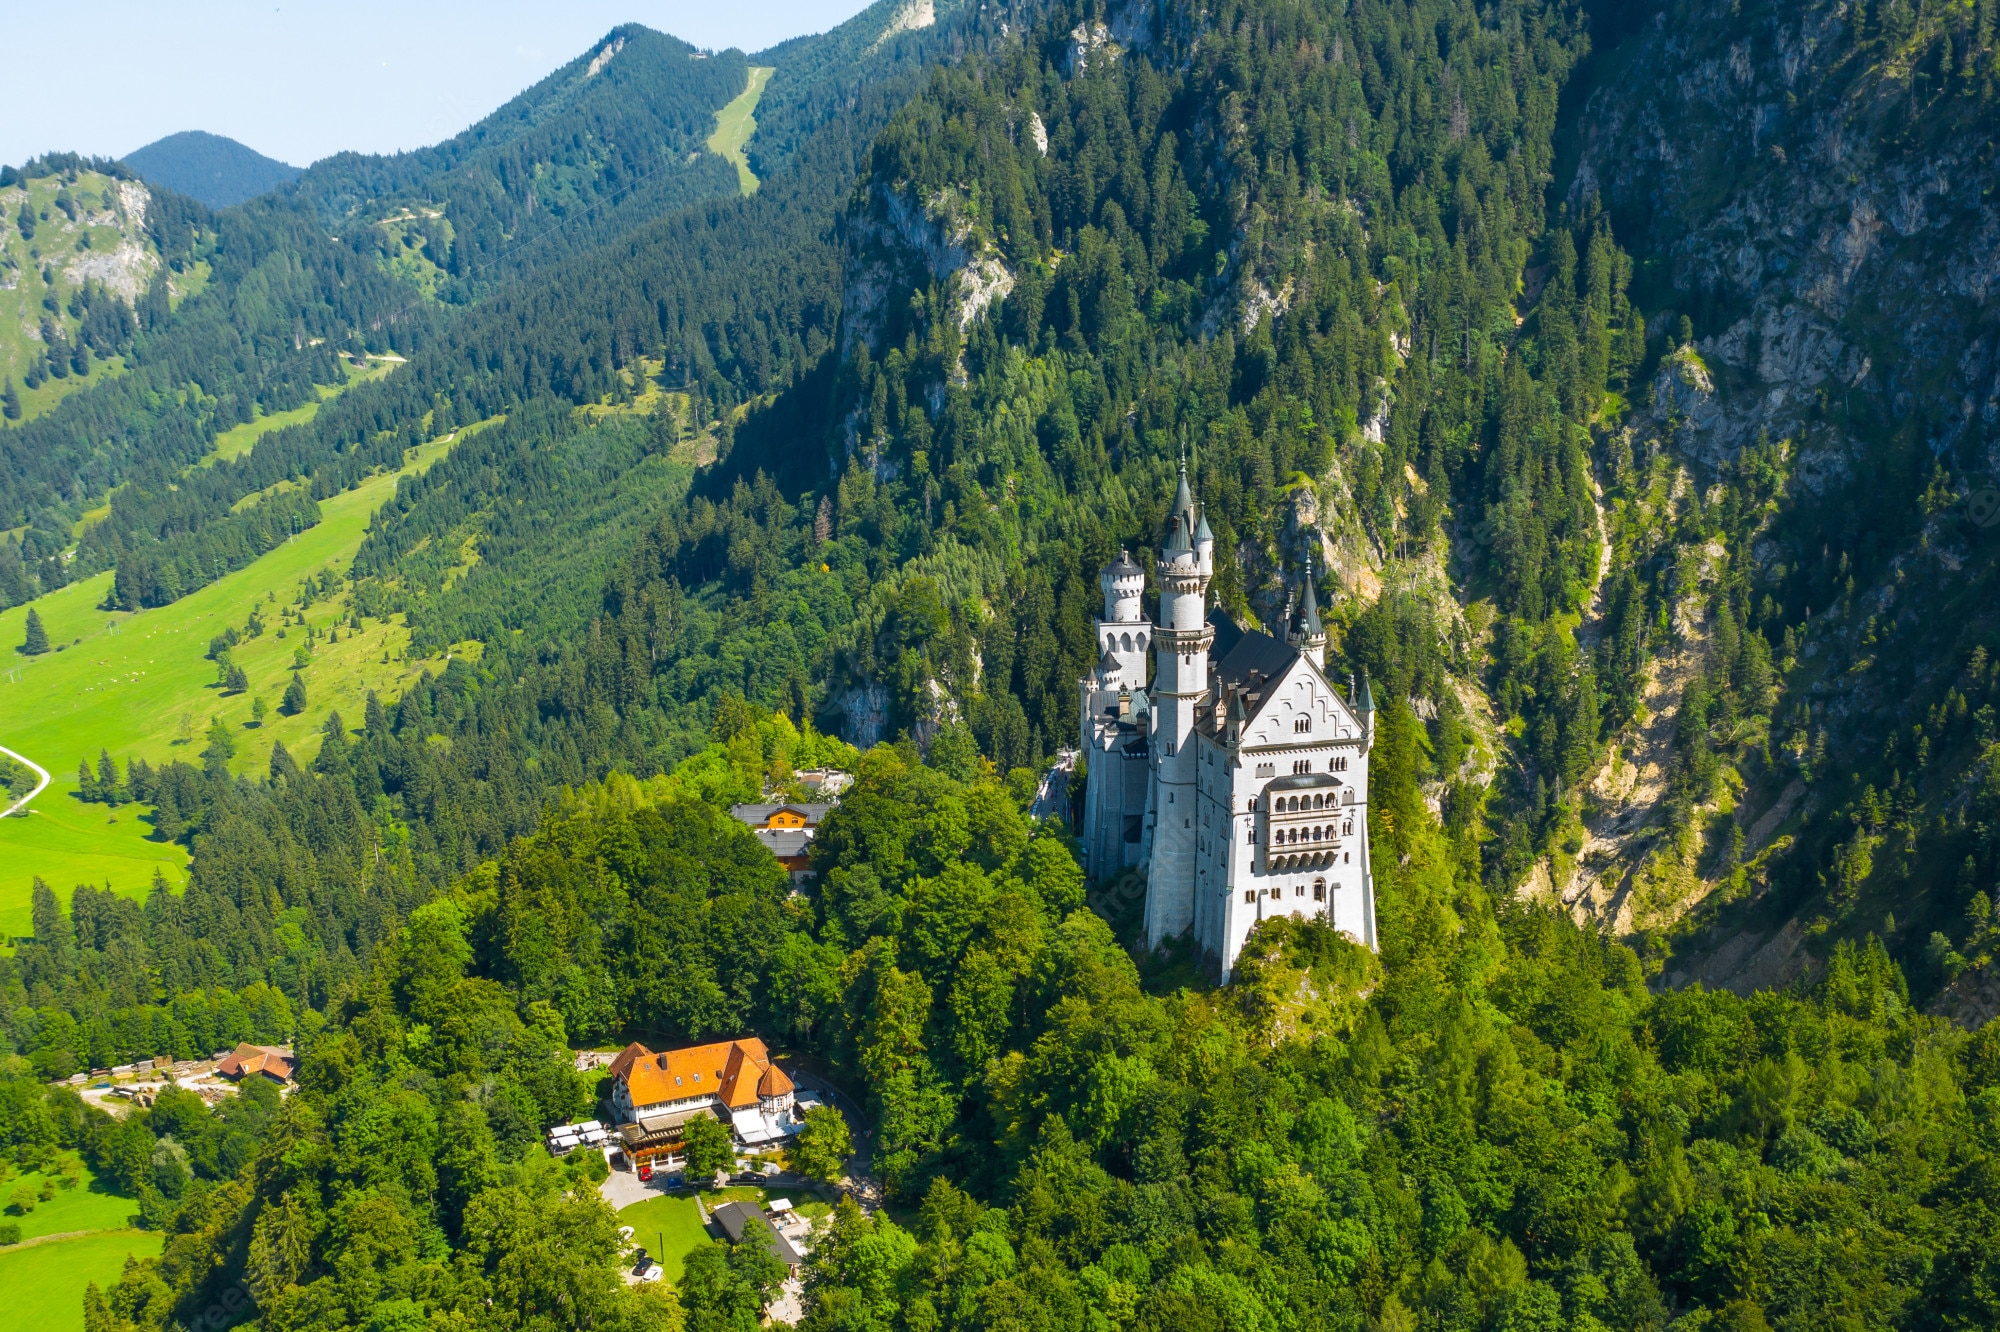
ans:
(208, 167)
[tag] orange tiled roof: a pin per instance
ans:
(270, 1060)
(625, 1057)
(736, 1072)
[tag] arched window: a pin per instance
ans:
(1303, 725)
(1319, 890)
(1301, 767)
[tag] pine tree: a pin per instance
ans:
(238, 682)
(38, 638)
(294, 701)
(10, 402)
(221, 747)
(86, 781)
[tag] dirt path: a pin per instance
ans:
(63, 1235)
(40, 786)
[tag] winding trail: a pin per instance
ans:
(40, 786)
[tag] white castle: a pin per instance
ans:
(1242, 785)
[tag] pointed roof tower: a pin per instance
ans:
(1312, 635)
(1183, 497)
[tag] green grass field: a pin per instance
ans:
(85, 1207)
(140, 684)
(45, 1282)
(735, 123)
(240, 439)
(67, 842)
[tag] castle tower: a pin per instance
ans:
(1181, 642)
(1123, 636)
(1308, 635)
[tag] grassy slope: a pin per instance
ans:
(735, 123)
(123, 682)
(239, 440)
(45, 1282)
(85, 1207)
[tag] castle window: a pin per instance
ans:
(1299, 891)
(1250, 896)
(1303, 725)
(1302, 766)
(1319, 890)
(1340, 765)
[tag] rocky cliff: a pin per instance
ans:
(1807, 189)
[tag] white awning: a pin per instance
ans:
(754, 1127)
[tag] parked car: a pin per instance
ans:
(653, 1273)
(646, 1170)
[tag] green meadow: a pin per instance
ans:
(735, 123)
(45, 1282)
(45, 1277)
(140, 683)
(88, 1206)
(240, 439)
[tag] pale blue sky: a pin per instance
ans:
(301, 81)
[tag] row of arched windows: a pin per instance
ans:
(1288, 836)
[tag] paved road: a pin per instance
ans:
(40, 787)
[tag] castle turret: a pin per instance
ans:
(1180, 685)
(1123, 583)
(1309, 635)
(1364, 709)
(1123, 635)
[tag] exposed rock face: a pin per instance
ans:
(1834, 247)
(894, 241)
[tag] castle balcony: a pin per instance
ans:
(1309, 822)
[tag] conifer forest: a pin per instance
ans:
(1621, 380)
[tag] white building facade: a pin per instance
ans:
(1238, 777)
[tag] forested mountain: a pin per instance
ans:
(216, 170)
(1555, 338)
(609, 140)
